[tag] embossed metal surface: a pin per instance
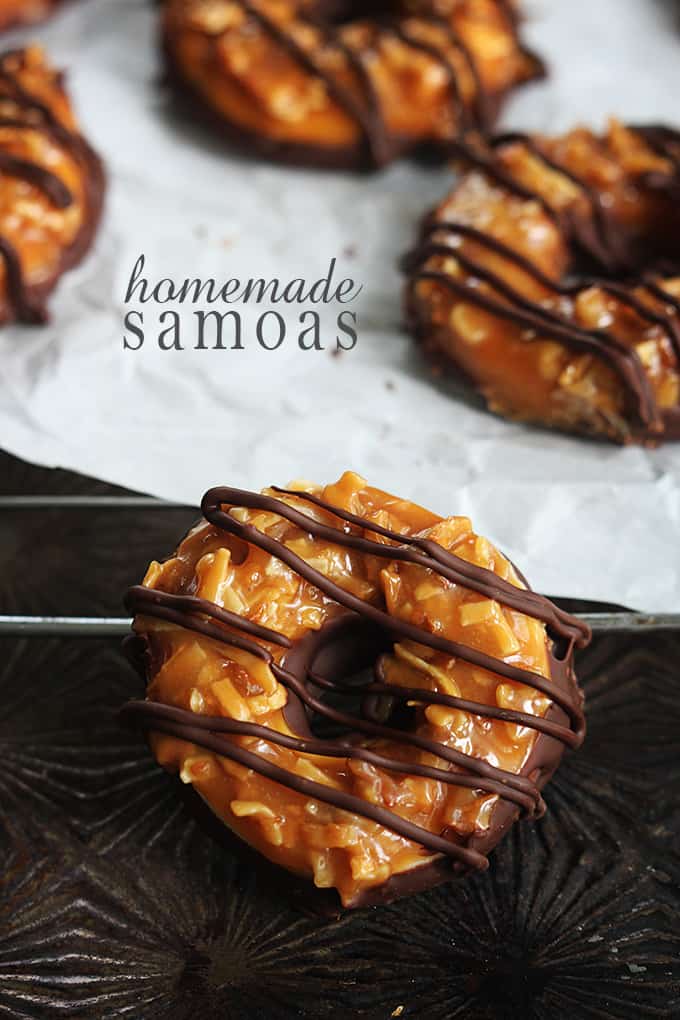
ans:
(114, 901)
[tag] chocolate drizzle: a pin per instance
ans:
(597, 240)
(367, 114)
(31, 114)
(362, 103)
(479, 114)
(595, 234)
(51, 185)
(319, 661)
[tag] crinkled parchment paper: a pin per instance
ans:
(582, 519)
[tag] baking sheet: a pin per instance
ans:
(582, 519)
(116, 904)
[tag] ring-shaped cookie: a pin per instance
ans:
(252, 633)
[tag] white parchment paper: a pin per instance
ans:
(581, 519)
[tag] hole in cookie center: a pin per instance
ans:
(336, 666)
(649, 243)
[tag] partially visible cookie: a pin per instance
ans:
(52, 185)
(550, 278)
(344, 84)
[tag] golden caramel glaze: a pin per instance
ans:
(207, 677)
(25, 12)
(52, 184)
(296, 82)
(596, 353)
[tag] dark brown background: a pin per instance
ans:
(115, 903)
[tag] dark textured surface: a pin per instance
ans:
(114, 903)
(87, 558)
